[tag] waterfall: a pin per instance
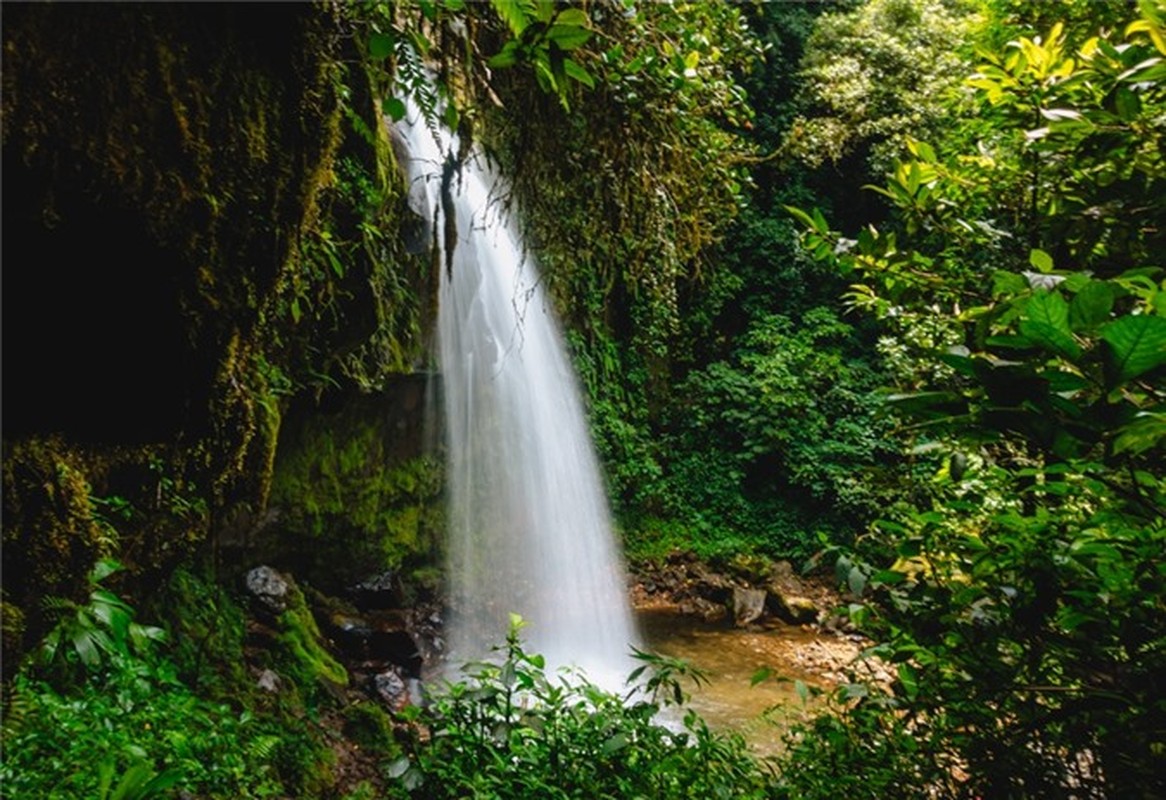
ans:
(529, 526)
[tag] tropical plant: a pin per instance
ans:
(98, 634)
(1018, 594)
(510, 730)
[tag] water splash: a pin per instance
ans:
(529, 527)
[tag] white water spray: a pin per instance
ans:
(529, 527)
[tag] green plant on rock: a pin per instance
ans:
(300, 655)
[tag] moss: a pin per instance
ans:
(368, 725)
(207, 631)
(12, 627)
(354, 494)
(301, 655)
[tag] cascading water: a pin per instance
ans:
(529, 526)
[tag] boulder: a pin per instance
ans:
(392, 688)
(792, 608)
(270, 589)
(748, 605)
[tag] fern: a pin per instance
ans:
(264, 747)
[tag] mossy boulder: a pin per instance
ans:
(354, 491)
(285, 638)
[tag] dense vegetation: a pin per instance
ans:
(874, 285)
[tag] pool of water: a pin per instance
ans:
(730, 657)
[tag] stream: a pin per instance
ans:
(730, 657)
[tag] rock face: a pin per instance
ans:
(178, 179)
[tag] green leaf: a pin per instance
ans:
(1137, 344)
(1052, 339)
(761, 675)
(572, 16)
(395, 108)
(508, 56)
(515, 13)
(909, 679)
(813, 220)
(1041, 260)
(1144, 433)
(1008, 283)
(103, 569)
(380, 45)
(615, 743)
(577, 72)
(856, 581)
(449, 117)
(1048, 308)
(1091, 305)
(568, 37)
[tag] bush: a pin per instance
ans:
(510, 730)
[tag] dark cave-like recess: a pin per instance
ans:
(93, 341)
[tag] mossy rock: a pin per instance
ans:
(368, 724)
(291, 644)
(354, 491)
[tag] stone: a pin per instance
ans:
(792, 608)
(268, 681)
(269, 588)
(377, 592)
(392, 688)
(748, 605)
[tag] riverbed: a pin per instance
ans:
(730, 657)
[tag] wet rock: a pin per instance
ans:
(392, 688)
(377, 592)
(705, 609)
(391, 641)
(425, 624)
(269, 681)
(350, 633)
(748, 605)
(792, 608)
(270, 589)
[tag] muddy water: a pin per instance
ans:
(730, 657)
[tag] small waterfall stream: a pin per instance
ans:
(529, 525)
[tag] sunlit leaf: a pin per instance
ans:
(573, 70)
(1137, 344)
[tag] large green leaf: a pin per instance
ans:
(1145, 432)
(1137, 344)
(568, 37)
(1050, 338)
(1091, 305)
(1048, 308)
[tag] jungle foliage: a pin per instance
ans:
(1018, 279)
(876, 283)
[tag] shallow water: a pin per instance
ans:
(729, 658)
